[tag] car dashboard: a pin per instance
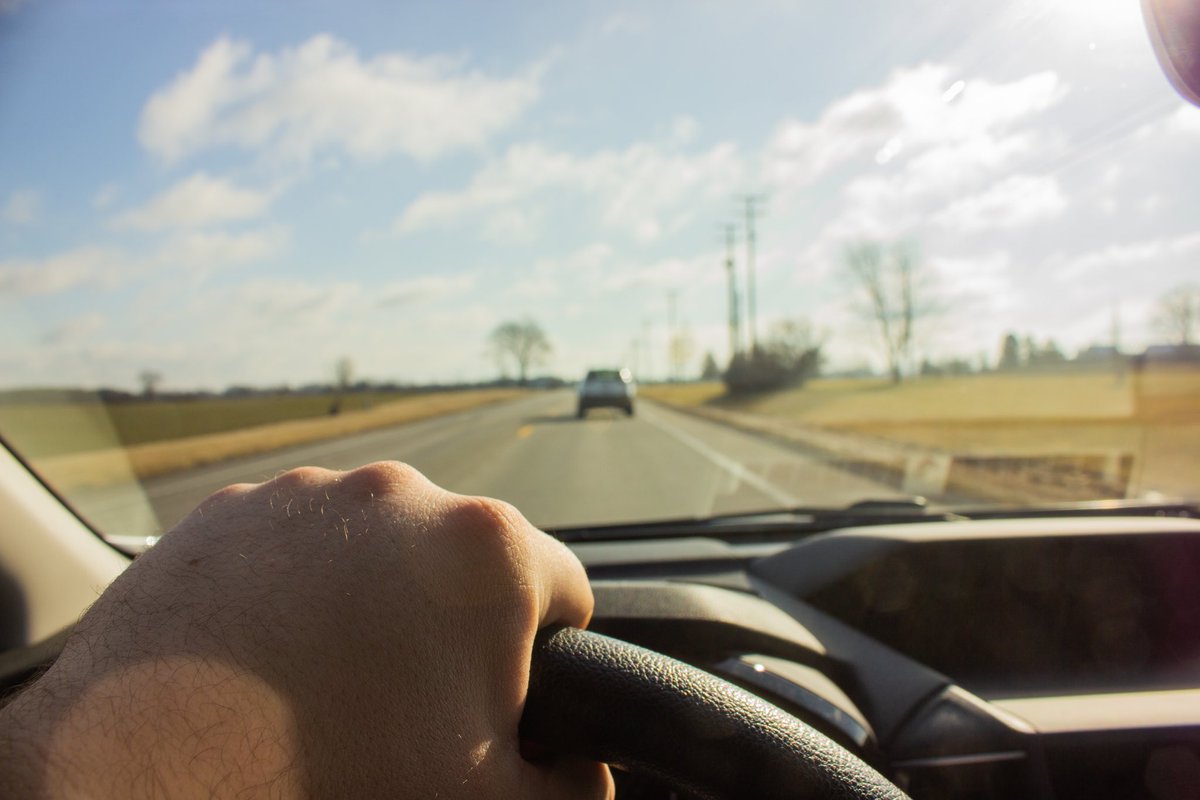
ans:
(1035, 658)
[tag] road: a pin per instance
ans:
(559, 470)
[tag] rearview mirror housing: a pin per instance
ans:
(1174, 27)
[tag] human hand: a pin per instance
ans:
(323, 634)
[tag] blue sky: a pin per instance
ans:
(233, 192)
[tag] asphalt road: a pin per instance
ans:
(559, 470)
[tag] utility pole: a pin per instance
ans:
(672, 297)
(753, 204)
(647, 346)
(735, 334)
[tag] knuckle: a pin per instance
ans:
(490, 514)
(488, 523)
(301, 477)
(383, 477)
(231, 492)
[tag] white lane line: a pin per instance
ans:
(724, 462)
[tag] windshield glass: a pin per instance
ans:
(848, 251)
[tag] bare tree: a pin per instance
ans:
(890, 278)
(521, 341)
(1178, 314)
(791, 339)
(150, 379)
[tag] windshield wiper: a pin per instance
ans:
(768, 524)
(785, 523)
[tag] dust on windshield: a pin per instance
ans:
(847, 251)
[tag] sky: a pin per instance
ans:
(247, 192)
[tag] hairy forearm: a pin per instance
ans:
(178, 727)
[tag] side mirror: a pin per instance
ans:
(1174, 27)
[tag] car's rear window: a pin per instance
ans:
(604, 375)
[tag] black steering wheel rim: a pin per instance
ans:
(611, 701)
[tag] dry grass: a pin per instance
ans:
(55, 425)
(1154, 416)
(974, 397)
(684, 394)
(115, 464)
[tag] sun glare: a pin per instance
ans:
(1099, 21)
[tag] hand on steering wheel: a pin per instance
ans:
(611, 701)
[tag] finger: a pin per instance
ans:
(564, 592)
(559, 582)
(571, 777)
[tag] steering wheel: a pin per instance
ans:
(611, 701)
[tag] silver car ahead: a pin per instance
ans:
(612, 388)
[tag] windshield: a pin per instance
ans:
(604, 375)
(848, 251)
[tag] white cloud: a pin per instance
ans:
(76, 329)
(1183, 121)
(22, 207)
(666, 273)
(938, 160)
(263, 302)
(106, 195)
(1147, 252)
(89, 265)
(915, 108)
(92, 362)
(972, 291)
(1013, 202)
(922, 148)
(645, 189)
(424, 289)
(203, 251)
(322, 98)
(324, 319)
(514, 225)
(597, 268)
(549, 277)
(194, 254)
(943, 144)
(889, 204)
(195, 202)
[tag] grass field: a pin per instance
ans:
(1154, 416)
(41, 429)
(80, 444)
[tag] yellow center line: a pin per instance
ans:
(524, 432)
